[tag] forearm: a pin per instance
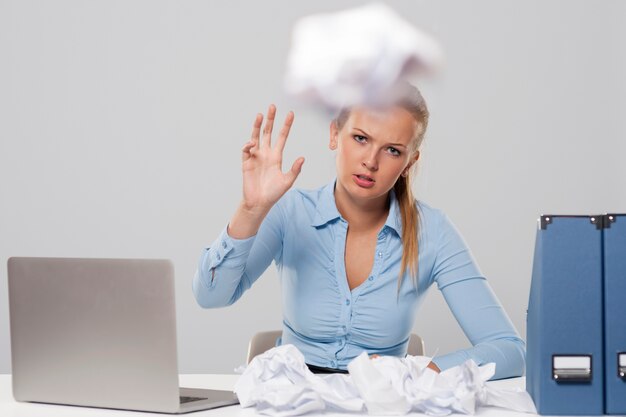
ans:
(487, 326)
(508, 355)
(246, 221)
(232, 264)
(220, 278)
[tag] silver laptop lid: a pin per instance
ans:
(94, 332)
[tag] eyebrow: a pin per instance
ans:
(367, 134)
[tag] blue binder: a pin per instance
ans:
(615, 313)
(564, 355)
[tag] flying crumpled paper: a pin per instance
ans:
(278, 383)
(356, 56)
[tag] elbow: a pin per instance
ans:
(207, 296)
(521, 356)
(514, 358)
(201, 292)
(203, 301)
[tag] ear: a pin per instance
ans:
(334, 132)
(413, 160)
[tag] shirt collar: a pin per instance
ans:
(394, 219)
(326, 209)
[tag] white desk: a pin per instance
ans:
(10, 408)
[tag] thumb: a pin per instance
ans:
(295, 170)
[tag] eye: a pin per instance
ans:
(394, 151)
(359, 138)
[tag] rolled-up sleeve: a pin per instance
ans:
(230, 266)
(476, 308)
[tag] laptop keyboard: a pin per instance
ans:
(184, 400)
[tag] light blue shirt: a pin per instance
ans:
(305, 236)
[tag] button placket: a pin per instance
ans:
(340, 272)
(378, 260)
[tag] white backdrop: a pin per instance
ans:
(121, 124)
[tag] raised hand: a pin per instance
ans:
(263, 179)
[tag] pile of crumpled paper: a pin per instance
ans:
(278, 383)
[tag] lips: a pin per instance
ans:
(365, 177)
(364, 181)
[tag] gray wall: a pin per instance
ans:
(121, 124)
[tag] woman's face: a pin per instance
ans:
(374, 147)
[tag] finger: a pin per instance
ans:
(295, 170)
(269, 125)
(256, 128)
(284, 132)
(246, 150)
(434, 367)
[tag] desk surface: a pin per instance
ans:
(10, 408)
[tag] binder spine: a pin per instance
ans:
(614, 271)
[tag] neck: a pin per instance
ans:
(362, 215)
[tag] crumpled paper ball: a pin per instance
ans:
(357, 56)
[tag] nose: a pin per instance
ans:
(371, 162)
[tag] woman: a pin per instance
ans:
(357, 255)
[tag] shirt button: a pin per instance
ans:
(223, 244)
(347, 302)
(380, 254)
(218, 256)
(343, 328)
(370, 279)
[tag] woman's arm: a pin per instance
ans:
(253, 237)
(487, 326)
(230, 266)
(476, 308)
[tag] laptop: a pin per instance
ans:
(99, 333)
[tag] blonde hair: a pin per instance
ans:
(412, 101)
